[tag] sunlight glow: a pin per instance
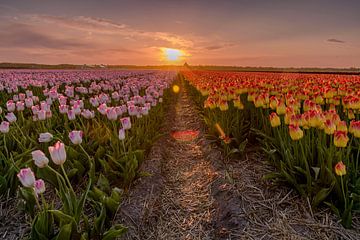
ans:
(171, 54)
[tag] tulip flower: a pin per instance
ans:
(39, 186)
(71, 115)
(341, 126)
(4, 127)
(295, 132)
(45, 137)
(111, 114)
(29, 102)
(40, 158)
(355, 128)
(11, 117)
(58, 153)
(281, 108)
(340, 169)
(340, 138)
(10, 106)
(76, 137)
(126, 123)
(274, 120)
(26, 177)
(122, 134)
(330, 127)
(41, 115)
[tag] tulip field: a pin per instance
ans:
(72, 141)
(307, 124)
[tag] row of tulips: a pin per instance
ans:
(308, 125)
(95, 126)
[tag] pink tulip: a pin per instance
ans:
(58, 153)
(29, 102)
(126, 123)
(39, 186)
(63, 109)
(4, 127)
(40, 158)
(111, 114)
(122, 134)
(10, 105)
(20, 106)
(45, 137)
(76, 137)
(71, 115)
(41, 115)
(26, 177)
(11, 117)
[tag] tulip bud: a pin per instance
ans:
(340, 169)
(76, 137)
(40, 158)
(295, 132)
(41, 115)
(126, 123)
(11, 117)
(58, 153)
(10, 105)
(45, 137)
(330, 127)
(26, 177)
(122, 134)
(39, 186)
(275, 120)
(4, 127)
(340, 138)
(111, 114)
(71, 115)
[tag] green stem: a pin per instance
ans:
(343, 191)
(66, 177)
(6, 149)
(36, 199)
(82, 148)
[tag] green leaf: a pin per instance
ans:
(103, 183)
(322, 195)
(100, 220)
(72, 172)
(114, 232)
(116, 194)
(273, 175)
(242, 145)
(316, 171)
(3, 185)
(63, 218)
(81, 203)
(65, 232)
(111, 204)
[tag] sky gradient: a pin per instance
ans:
(244, 33)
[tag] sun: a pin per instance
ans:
(172, 54)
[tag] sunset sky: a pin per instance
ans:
(244, 33)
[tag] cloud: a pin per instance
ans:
(219, 46)
(334, 40)
(18, 35)
(106, 26)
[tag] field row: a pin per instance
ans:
(308, 125)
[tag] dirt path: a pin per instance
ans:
(192, 193)
(179, 191)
